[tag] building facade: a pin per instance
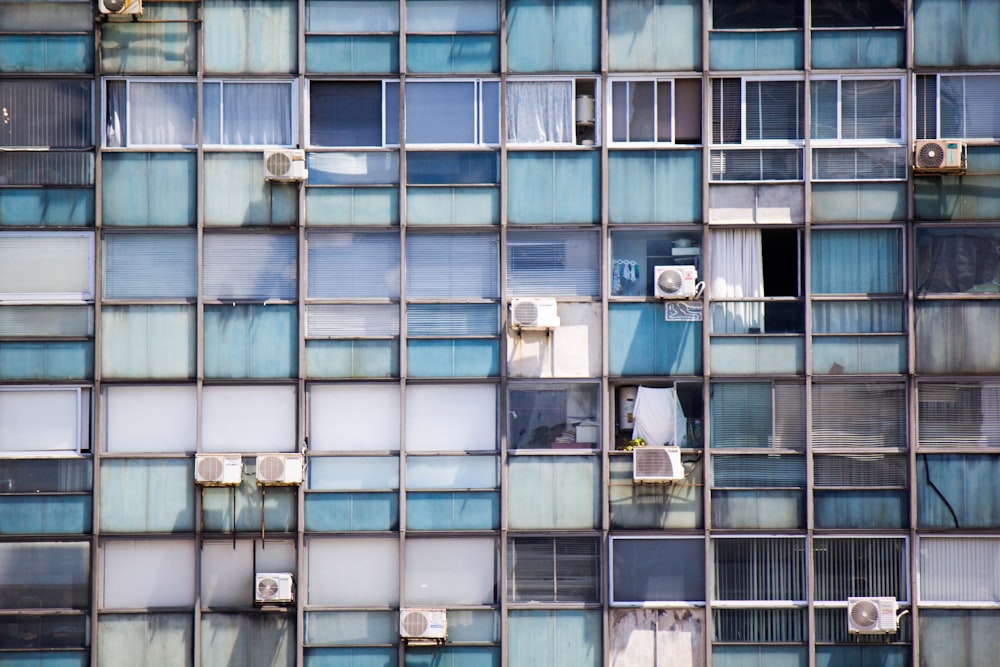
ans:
(325, 321)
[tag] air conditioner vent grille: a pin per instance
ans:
(526, 312)
(279, 163)
(210, 467)
(657, 464)
(415, 623)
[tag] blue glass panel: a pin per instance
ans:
(950, 33)
(857, 48)
(757, 355)
(251, 341)
(46, 659)
(862, 509)
(863, 656)
(162, 42)
(354, 168)
(641, 342)
(154, 189)
(245, 37)
(352, 206)
(47, 53)
(237, 194)
(859, 354)
(453, 511)
(958, 491)
(44, 515)
(654, 186)
(453, 358)
(352, 358)
(352, 54)
(331, 512)
(647, 35)
(453, 206)
(352, 628)
(444, 319)
(453, 53)
(443, 168)
(758, 509)
(772, 656)
(454, 656)
(278, 512)
(43, 207)
(756, 50)
(560, 187)
(148, 342)
(147, 495)
(969, 197)
(351, 657)
(47, 361)
(553, 35)
(546, 638)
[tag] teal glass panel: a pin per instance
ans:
(163, 42)
(970, 329)
(755, 50)
(641, 342)
(252, 638)
(277, 513)
(352, 358)
(47, 361)
(352, 54)
(453, 656)
(453, 511)
(861, 202)
(557, 187)
(352, 206)
(351, 657)
(251, 341)
(147, 495)
(958, 491)
(863, 656)
(47, 321)
(145, 640)
(859, 354)
(654, 186)
(452, 206)
(453, 358)
(955, 33)
(882, 508)
(44, 515)
(548, 638)
(553, 492)
(973, 196)
(47, 207)
(951, 637)
(553, 35)
(45, 659)
(771, 656)
(646, 35)
(242, 37)
(452, 54)
(23, 54)
(238, 195)
(655, 506)
(149, 189)
(343, 512)
(759, 509)
(351, 627)
(851, 49)
(758, 355)
(148, 342)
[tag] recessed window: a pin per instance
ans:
(957, 106)
(751, 15)
(453, 112)
(354, 113)
(45, 114)
(657, 111)
(869, 14)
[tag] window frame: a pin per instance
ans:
(915, 107)
(478, 116)
(657, 142)
(578, 127)
(56, 297)
(384, 84)
(880, 141)
(83, 422)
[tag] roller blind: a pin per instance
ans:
(150, 266)
(351, 265)
(552, 263)
(443, 266)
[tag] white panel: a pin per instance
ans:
(227, 574)
(353, 572)
(353, 473)
(960, 570)
(451, 418)
(151, 419)
(248, 419)
(148, 573)
(451, 15)
(354, 417)
(451, 472)
(274, 556)
(46, 266)
(449, 571)
(39, 420)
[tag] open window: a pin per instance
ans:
(657, 111)
(453, 112)
(551, 112)
(660, 415)
(957, 106)
(554, 415)
(635, 256)
(354, 113)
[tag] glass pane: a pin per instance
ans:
(248, 419)
(147, 495)
(146, 640)
(450, 571)
(44, 575)
(451, 418)
(46, 114)
(556, 416)
(346, 571)
(127, 564)
(657, 570)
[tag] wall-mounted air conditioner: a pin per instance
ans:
(279, 469)
(423, 625)
(533, 313)
(657, 464)
(939, 156)
(273, 588)
(872, 616)
(675, 282)
(128, 8)
(285, 165)
(218, 469)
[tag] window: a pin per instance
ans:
(554, 416)
(452, 418)
(46, 113)
(142, 419)
(757, 414)
(452, 36)
(957, 106)
(46, 266)
(249, 267)
(749, 15)
(452, 266)
(150, 266)
(871, 14)
(958, 260)
(771, 569)
(127, 564)
(354, 113)
(959, 414)
(959, 570)
(244, 113)
(861, 491)
(444, 572)
(860, 567)
(338, 417)
(657, 570)
(249, 418)
(859, 415)
(45, 575)
(956, 491)
(552, 263)
(545, 569)
(635, 256)
(453, 112)
(540, 112)
(662, 111)
(44, 420)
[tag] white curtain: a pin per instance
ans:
(257, 114)
(162, 113)
(737, 273)
(655, 414)
(540, 111)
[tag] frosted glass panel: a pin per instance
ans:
(353, 473)
(341, 417)
(144, 640)
(250, 37)
(568, 638)
(959, 570)
(451, 472)
(238, 195)
(47, 266)
(151, 419)
(241, 639)
(353, 572)
(249, 419)
(142, 574)
(42, 420)
(143, 495)
(227, 570)
(553, 492)
(451, 418)
(148, 342)
(450, 571)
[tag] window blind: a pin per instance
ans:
(47, 321)
(774, 110)
(859, 415)
(760, 625)
(966, 104)
(759, 569)
(46, 114)
(450, 266)
(150, 266)
(542, 569)
(959, 414)
(552, 263)
(47, 266)
(858, 567)
(352, 265)
(443, 319)
(251, 267)
(759, 471)
(368, 320)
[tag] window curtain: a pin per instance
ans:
(256, 113)
(737, 273)
(656, 413)
(162, 113)
(540, 111)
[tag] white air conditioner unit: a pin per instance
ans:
(130, 8)
(279, 469)
(273, 587)
(533, 313)
(423, 625)
(218, 469)
(939, 156)
(657, 464)
(675, 282)
(872, 616)
(285, 165)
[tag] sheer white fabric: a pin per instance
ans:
(162, 113)
(655, 415)
(540, 111)
(737, 273)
